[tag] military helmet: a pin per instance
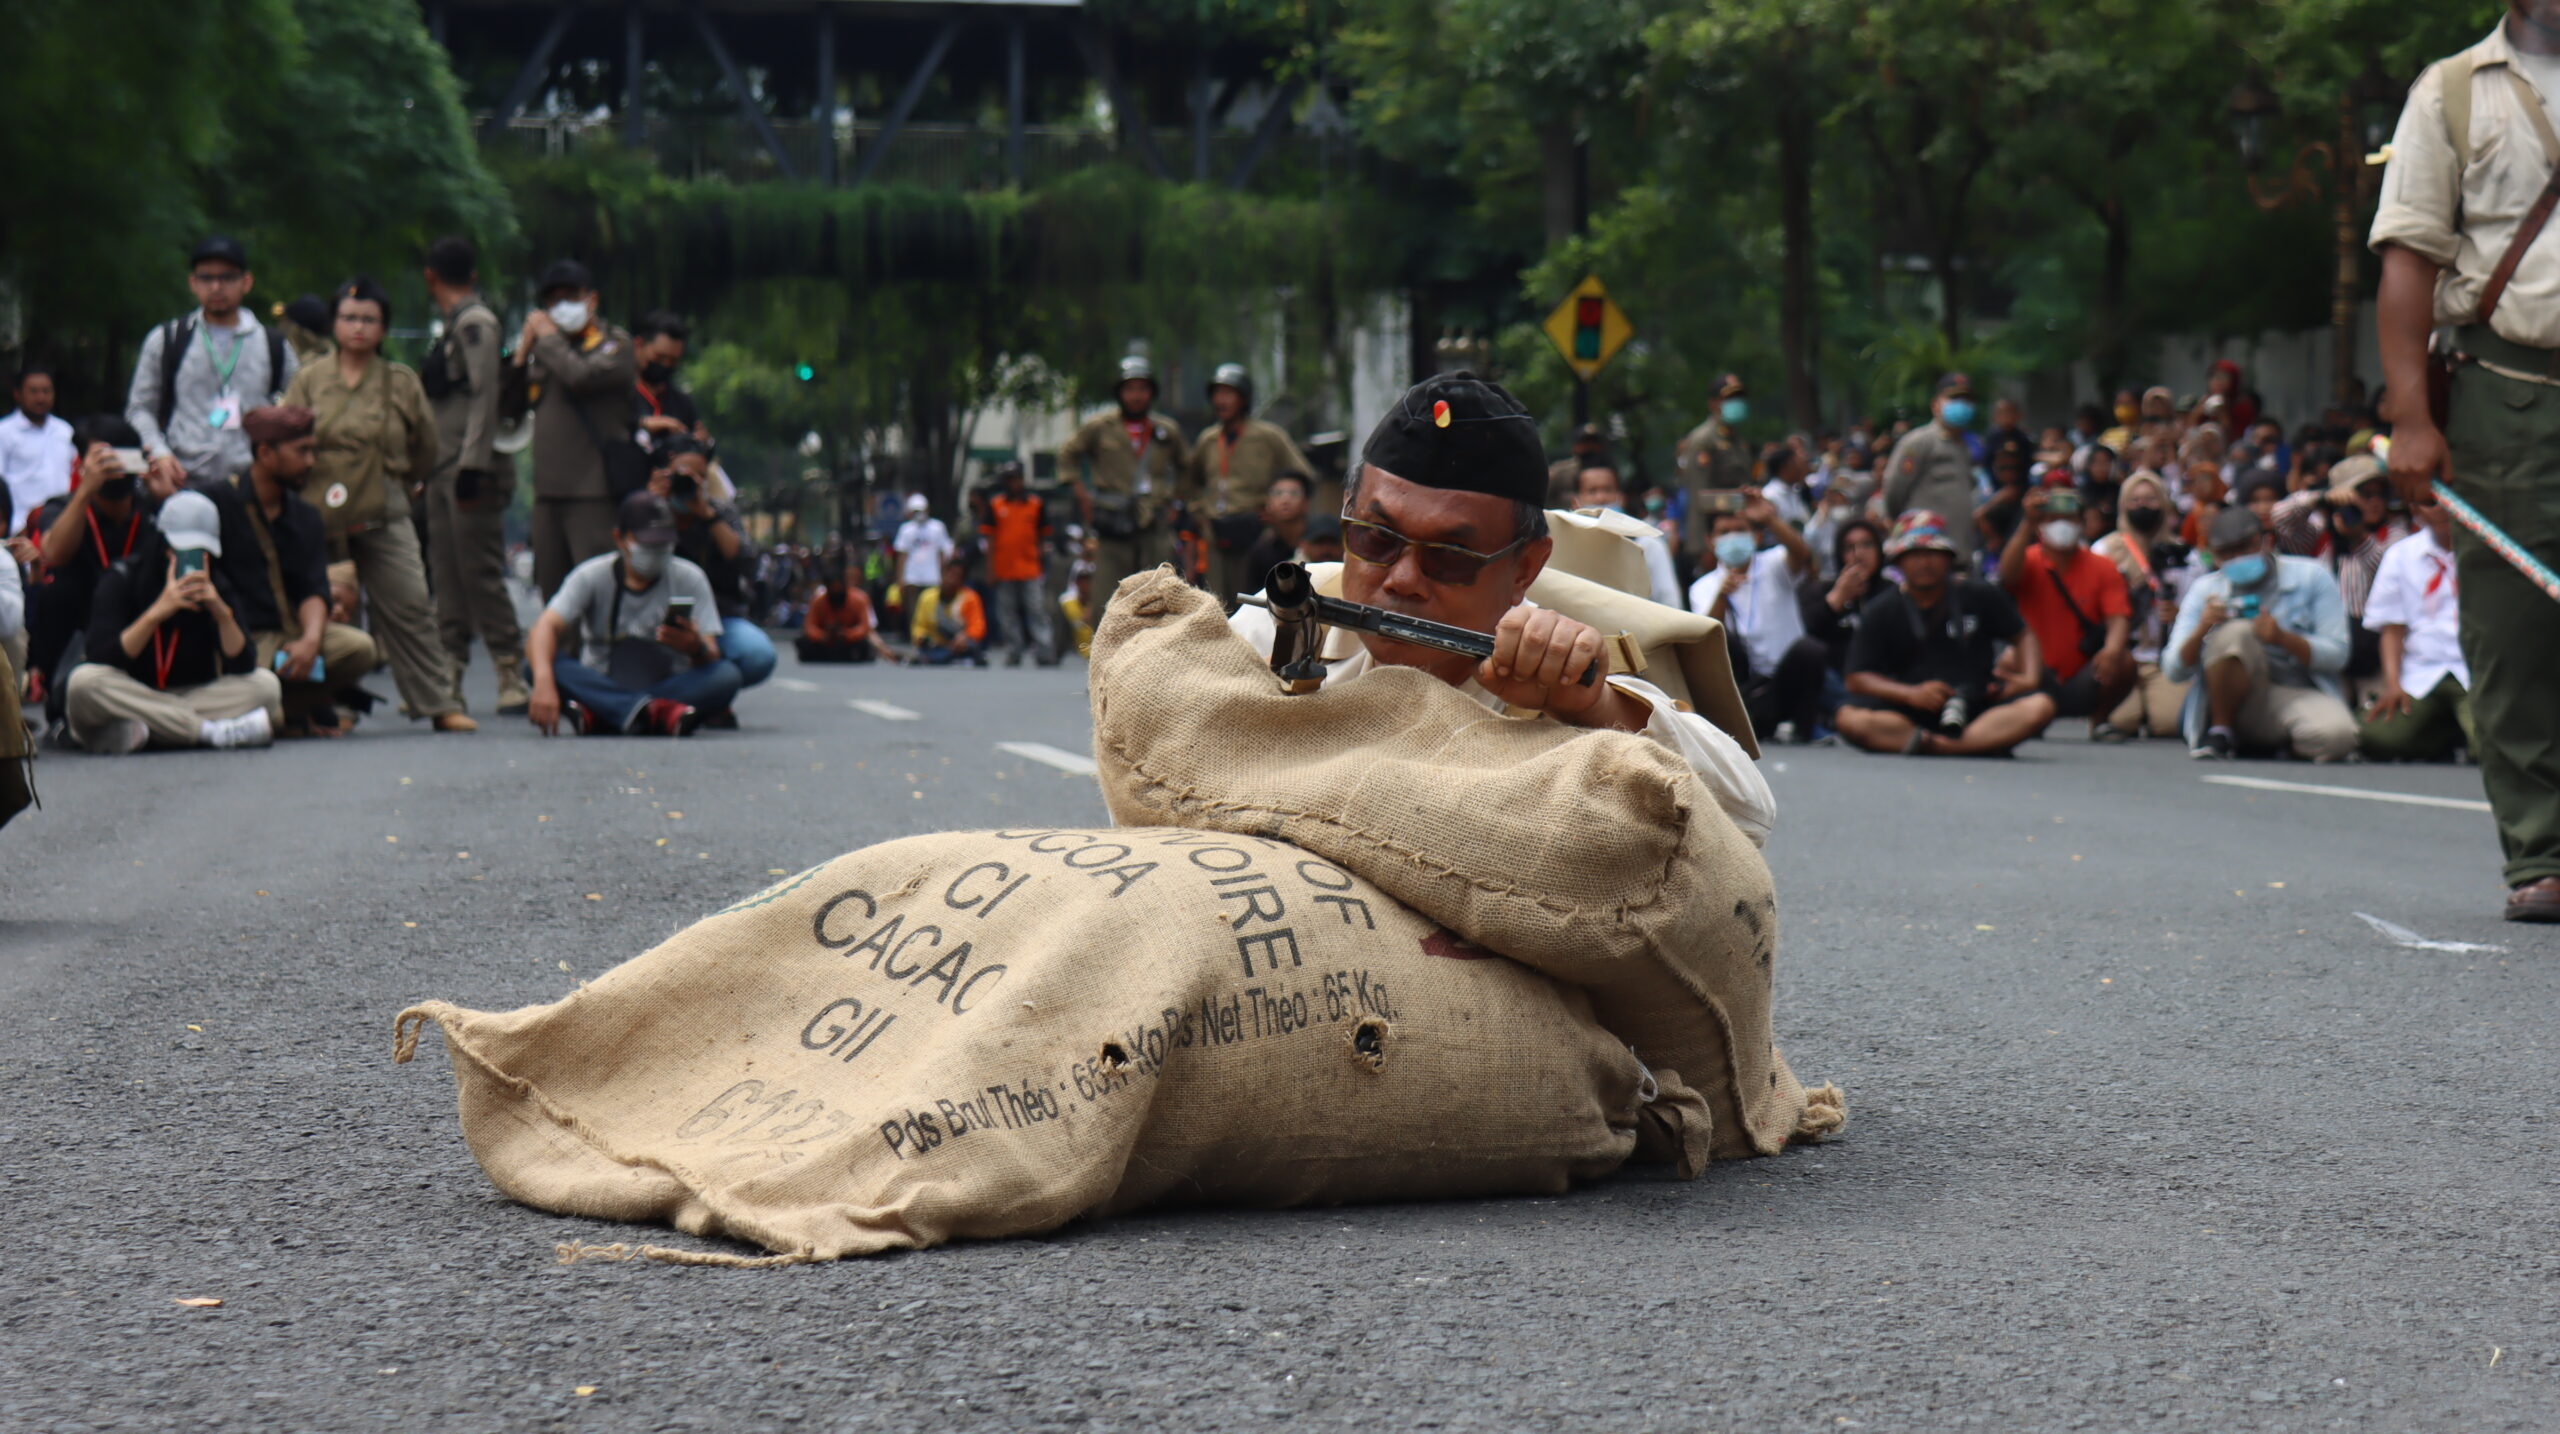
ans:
(1232, 375)
(1137, 366)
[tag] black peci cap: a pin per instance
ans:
(219, 249)
(565, 274)
(1461, 432)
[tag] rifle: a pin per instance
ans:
(1300, 615)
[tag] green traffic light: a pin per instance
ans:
(805, 373)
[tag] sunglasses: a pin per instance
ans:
(1440, 562)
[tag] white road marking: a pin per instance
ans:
(2266, 784)
(2402, 935)
(1074, 764)
(794, 684)
(885, 711)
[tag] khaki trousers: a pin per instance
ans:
(346, 655)
(467, 560)
(2154, 703)
(565, 533)
(1117, 558)
(2310, 721)
(100, 694)
(403, 616)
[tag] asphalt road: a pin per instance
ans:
(2148, 1129)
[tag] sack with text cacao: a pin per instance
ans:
(975, 1035)
(1593, 857)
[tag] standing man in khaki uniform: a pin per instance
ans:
(1125, 467)
(1710, 457)
(1232, 465)
(1932, 468)
(2459, 231)
(375, 439)
(579, 372)
(467, 495)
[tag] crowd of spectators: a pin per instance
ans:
(2188, 570)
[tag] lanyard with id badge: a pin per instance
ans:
(223, 415)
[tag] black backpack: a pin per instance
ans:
(175, 338)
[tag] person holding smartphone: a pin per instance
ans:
(649, 659)
(169, 664)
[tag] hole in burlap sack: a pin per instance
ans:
(1369, 1042)
(1113, 1056)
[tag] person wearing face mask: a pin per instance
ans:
(376, 440)
(2078, 606)
(2264, 639)
(666, 411)
(468, 494)
(1846, 495)
(1752, 591)
(2155, 573)
(1710, 458)
(1932, 467)
(1125, 467)
(579, 373)
(168, 664)
(648, 661)
(275, 556)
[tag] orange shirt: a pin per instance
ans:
(1013, 535)
(839, 619)
(2097, 585)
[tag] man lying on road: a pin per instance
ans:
(1444, 519)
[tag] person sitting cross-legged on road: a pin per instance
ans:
(643, 667)
(168, 663)
(1926, 675)
(1752, 591)
(839, 627)
(2264, 637)
(2416, 606)
(2078, 604)
(950, 623)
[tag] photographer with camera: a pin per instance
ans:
(1926, 673)
(710, 536)
(2077, 604)
(2265, 636)
(169, 664)
(1752, 591)
(646, 663)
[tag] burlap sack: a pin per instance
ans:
(1594, 857)
(987, 1034)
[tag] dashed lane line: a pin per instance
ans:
(885, 711)
(794, 684)
(2411, 799)
(1074, 764)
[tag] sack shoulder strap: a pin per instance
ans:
(2456, 76)
(2536, 217)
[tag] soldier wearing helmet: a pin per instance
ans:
(1232, 465)
(1126, 467)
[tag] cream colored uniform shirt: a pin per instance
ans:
(1719, 761)
(2463, 221)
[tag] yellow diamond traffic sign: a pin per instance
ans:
(1588, 329)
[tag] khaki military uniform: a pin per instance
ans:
(375, 439)
(592, 375)
(1932, 468)
(1130, 492)
(467, 539)
(2459, 201)
(1709, 458)
(1230, 477)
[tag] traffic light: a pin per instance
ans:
(1587, 311)
(806, 373)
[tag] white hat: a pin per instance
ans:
(188, 521)
(916, 504)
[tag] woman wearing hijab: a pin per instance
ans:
(2142, 549)
(376, 441)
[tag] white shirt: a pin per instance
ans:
(1791, 504)
(926, 543)
(1658, 571)
(1722, 766)
(1763, 609)
(2415, 587)
(35, 461)
(13, 597)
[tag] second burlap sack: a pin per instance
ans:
(1595, 857)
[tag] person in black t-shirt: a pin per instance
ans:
(1830, 606)
(1926, 672)
(710, 535)
(169, 664)
(275, 555)
(658, 342)
(105, 517)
